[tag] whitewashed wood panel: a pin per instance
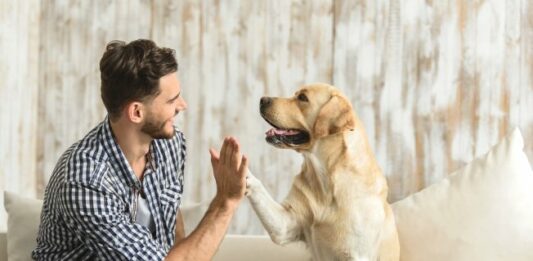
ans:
(521, 98)
(73, 38)
(435, 83)
(19, 38)
(231, 54)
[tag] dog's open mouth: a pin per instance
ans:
(290, 137)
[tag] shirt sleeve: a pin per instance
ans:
(100, 220)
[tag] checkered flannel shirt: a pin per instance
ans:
(91, 199)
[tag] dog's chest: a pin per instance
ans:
(327, 233)
(336, 232)
(326, 242)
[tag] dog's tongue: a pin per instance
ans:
(275, 131)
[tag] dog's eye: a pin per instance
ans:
(302, 97)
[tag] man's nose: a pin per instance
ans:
(264, 103)
(182, 105)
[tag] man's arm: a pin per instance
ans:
(97, 216)
(203, 242)
(230, 176)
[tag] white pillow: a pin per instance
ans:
(481, 212)
(23, 218)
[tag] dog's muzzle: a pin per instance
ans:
(264, 103)
(278, 135)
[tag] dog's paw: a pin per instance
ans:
(252, 183)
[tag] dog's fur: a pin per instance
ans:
(337, 204)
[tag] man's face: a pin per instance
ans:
(160, 113)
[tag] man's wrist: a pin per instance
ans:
(225, 203)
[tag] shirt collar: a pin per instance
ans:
(117, 156)
(154, 158)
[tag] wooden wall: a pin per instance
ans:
(436, 83)
(19, 95)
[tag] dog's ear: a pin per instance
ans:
(334, 117)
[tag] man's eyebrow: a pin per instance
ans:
(177, 96)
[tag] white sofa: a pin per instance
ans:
(234, 247)
(23, 222)
(483, 211)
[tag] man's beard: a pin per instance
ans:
(156, 129)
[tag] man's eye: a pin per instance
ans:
(302, 97)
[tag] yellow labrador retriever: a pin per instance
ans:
(337, 204)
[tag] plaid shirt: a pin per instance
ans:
(90, 202)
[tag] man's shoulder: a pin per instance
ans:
(86, 159)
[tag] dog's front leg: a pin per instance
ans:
(276, 219)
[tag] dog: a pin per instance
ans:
(338, 203)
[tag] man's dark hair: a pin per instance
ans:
(131, 72)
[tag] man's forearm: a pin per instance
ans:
(203, 242)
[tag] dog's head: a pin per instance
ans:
(314, 112)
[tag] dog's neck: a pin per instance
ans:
(351, 144)
(319, 162)
(315, 173)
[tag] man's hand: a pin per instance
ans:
(229, 169)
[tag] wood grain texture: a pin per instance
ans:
(230, 55)
(436, 83)
(19, 38)
(72, 39)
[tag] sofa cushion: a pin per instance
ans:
(483, 211)
(259, 248)
(23, 216)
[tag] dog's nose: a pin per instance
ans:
(264, 102)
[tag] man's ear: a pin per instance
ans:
(135, 112)
(334, 117)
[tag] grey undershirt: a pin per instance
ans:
(144, 217)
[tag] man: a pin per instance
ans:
(115, 194)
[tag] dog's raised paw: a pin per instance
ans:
(251, 183)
